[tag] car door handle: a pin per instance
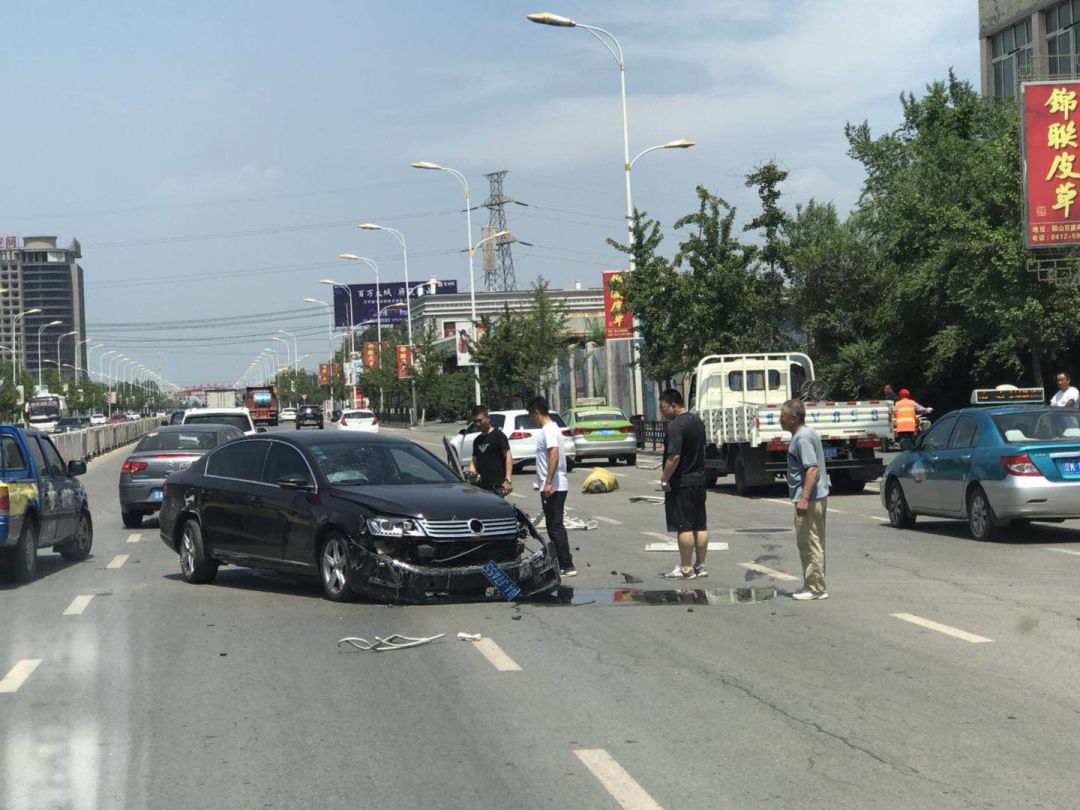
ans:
(966, 458)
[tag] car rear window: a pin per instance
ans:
(1039, 426)
(178, 440)
(599, 416)
(358, 415)
(11, 454)
(525, 422)
(236, 420)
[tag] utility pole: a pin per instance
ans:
(500, 278)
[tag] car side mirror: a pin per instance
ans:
(76, 467)
(296, 483)
(260, 430)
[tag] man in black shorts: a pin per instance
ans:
(683, 481)
(491, 457)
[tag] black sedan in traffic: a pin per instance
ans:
(367, 514)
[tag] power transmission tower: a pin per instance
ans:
(499, 275)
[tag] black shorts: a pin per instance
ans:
(685, 509)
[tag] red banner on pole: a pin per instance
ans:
(1051, 145)
(371, 355)
(404, 362)
(618, 320)
(324, 373)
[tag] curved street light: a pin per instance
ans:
(41, 329)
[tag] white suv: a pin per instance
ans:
(235, 417)
(521, 431)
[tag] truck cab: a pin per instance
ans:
(748, 379)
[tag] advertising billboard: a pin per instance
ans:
(618, 320)
(1050, 147)
(368, 299)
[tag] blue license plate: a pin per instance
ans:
(1070, 467)
(831, 452)
(501, 580)
(604, 432)
(155, 494)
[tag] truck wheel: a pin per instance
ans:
(23, 560)
(196, 565)
(132, 520)
(711, 477)
(79, 548)
(570, 465)
(741, 486)
(844, 484)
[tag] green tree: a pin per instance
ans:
(767, 179)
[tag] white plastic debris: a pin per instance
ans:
(469, 636)
(392, 642)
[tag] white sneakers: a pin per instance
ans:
(805, 594)
(678, 573)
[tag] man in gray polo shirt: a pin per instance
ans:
(808, 488)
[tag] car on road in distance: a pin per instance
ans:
(42, 503)
(995, 465)
(367, 514)
(360, 420)
(521, 432)
(117, 419)
(68, 424)
(287, 415)
(158, 455)
(98, 419)
(236, 417)
(601, 431)
(309, 415)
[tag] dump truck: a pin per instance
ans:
(261, 402)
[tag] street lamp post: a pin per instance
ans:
(78, 370)
(101, 364)
(15, 341)
(41, 329)
(58, 342)
(468, 241)
(330, 336)
(615, 49)
(295, 352)
(370, 226)
(352, 319)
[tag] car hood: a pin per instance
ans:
(449, 501)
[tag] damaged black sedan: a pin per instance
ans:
(368, 514)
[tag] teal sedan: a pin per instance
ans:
(995, 467)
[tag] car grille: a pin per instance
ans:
(460, 529)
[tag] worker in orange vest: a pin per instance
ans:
(906, 412)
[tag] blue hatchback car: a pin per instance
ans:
(992, 465)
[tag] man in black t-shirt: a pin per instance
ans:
(491, 457)
(683, 482)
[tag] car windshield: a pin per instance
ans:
(236, 420)
(178, 440)
(599, 416)
(361, 464)
(1043, 425)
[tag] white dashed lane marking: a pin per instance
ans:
(963, 635)
(495, 655)
(17, 675)
(1062, 550)
(118, 560)
(612, 521)
(134, 538)
(623, 788)
(78, 605)
(772, 572)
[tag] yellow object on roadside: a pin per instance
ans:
(599, 480)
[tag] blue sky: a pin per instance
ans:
(213, 158)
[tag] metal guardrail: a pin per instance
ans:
(393, 419)
(651, 435)
(94, 441)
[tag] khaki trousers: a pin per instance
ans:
(810, 537)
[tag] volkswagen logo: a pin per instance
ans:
(476, 526)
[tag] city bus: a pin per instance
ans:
(45, 410)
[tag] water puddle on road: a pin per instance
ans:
(667, 596)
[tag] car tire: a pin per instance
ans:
(132, 520)
(79, 548)
(570, 463)
(711, 477)
(334, 569)
(612, 460)
(22, 562)
(981, 517)
(518, 468)
(196, 565)
(900, 514)
(631, 460)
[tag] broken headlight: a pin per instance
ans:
(394, 527)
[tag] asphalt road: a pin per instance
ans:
(154, 693)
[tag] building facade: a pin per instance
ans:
(39, 275)
(1027, 40)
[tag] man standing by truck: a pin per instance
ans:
(683, 482)
(808, 488)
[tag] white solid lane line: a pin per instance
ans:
(772, 572)
(874, 517)
(78, 605)
(134, 538)
(623, 788)
(17, 675)
(1061, 550)
(658, 536)
(964, 635)
(618, 475)
(612, 521)
(118, 560)
(494, 653)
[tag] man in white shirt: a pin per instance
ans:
(1066, 396)
(552, 482)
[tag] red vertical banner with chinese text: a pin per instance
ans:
(404, 362)
(324, 373)
(1051, 133)
(618, 321)
(371, 355)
